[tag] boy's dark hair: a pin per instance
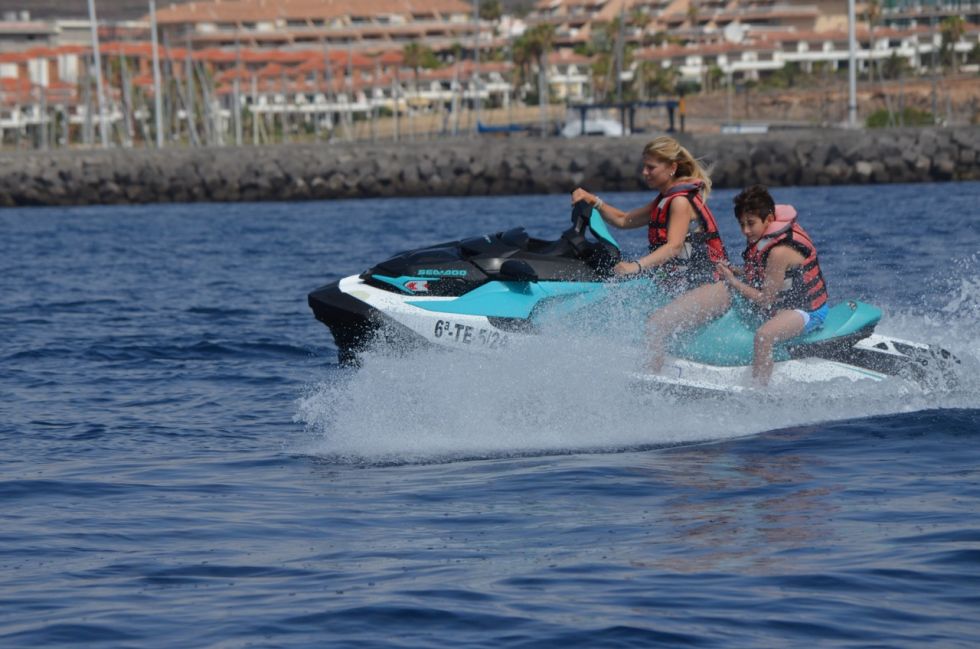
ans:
(754, 199)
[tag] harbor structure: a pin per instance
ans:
(333, 69)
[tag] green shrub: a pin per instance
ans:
(909, 117)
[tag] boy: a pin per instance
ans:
(782, 277)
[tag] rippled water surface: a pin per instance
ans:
(183, 463)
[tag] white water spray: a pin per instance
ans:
(571, 392)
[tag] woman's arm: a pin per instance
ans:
(635, 218)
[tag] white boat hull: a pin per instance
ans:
(450, 330)
(419, 319)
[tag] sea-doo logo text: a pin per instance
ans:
(442, 273)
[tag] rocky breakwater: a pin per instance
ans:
(475, 166)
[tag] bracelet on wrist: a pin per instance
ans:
(598, 203)
(639, 266)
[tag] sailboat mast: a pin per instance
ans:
(103, 128)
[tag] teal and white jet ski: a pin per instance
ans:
(484, 292)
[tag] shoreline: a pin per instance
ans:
(476, 166)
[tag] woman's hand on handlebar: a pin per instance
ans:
(582, 195)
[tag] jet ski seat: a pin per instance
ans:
(516, 237)
(559, 248)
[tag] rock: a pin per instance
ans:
(319, 188)
(407, 176)
(879, 173)
(838, 172)
(944, 168)
(864, 169)
(425, 167)
(922, 167)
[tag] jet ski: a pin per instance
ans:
(484, 292)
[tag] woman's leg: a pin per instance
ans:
(782, 326)
(687, 310)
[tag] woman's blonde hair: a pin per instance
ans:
(668, 149)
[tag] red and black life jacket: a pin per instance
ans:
(804, 287)
(703, 247)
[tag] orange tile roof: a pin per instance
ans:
(270, 70)
(42, 52)
(391, 57)
(466, 69)
(120, 48)
(173, 53)
(240, 11)
(14, 57)
(231, 74)
(214, 55)
(73, 49)
(142, 80)
(14, 85)
(673, 51)
(564, 57)
(791, 36)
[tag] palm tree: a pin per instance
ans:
(693, 13)
(952, 29)
(413, 56)
(873, 15)
(662, 81)
(531, 50)
(601, 47)
(642, 77)
(894, 67)
(602, 73)
(417, 56)
(641, 20)
(491, 11)
(713, 77)
(534, 45)
(522, 58)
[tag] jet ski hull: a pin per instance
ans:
(359, 314)
(480, 294)
(685, 377)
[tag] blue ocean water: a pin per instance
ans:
(183, 463)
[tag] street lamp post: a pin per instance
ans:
(476, 64)
(852, 67)
(157, 92)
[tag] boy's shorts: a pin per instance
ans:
(813, 319)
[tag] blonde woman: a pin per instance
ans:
(684, 240)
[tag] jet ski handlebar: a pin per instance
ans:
(601, 255)
(581, 213)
